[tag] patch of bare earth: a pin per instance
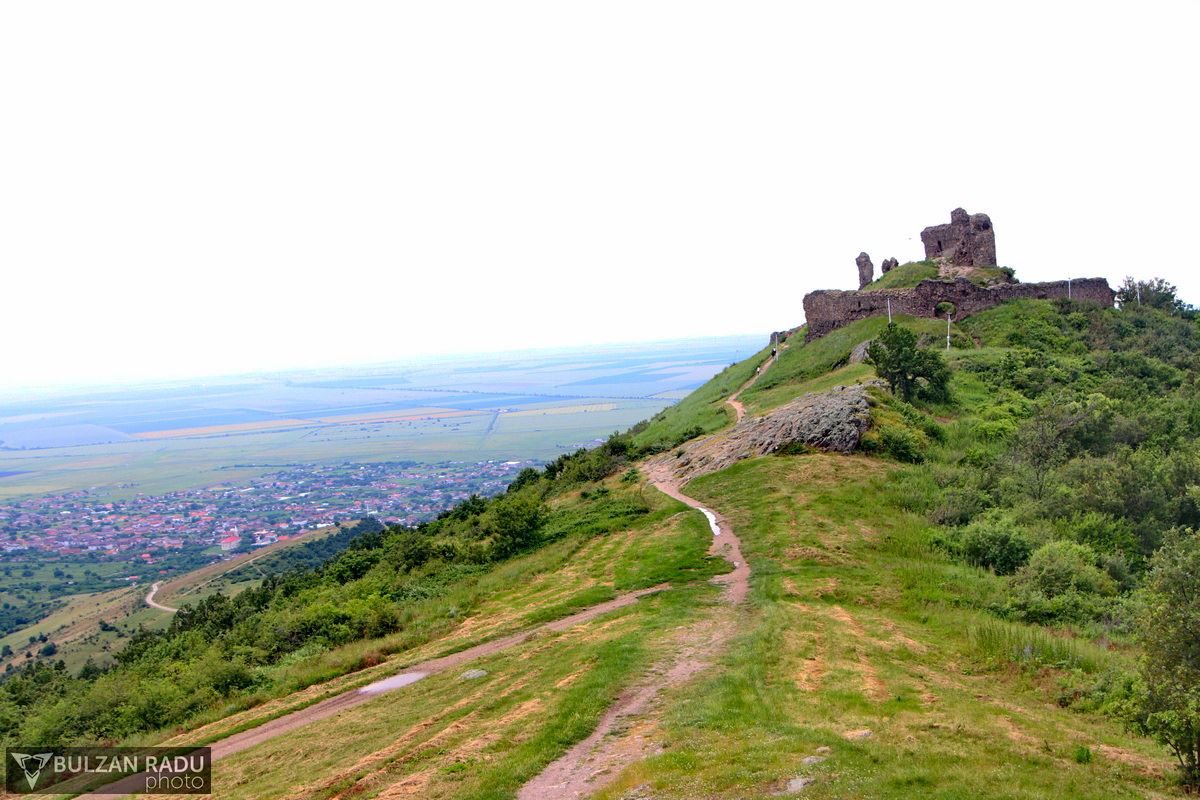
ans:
(1143, 764)
(623, 736)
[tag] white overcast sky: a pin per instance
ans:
(217, 187)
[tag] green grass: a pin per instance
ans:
(1021, 323)
(816, 365)
(703, 411)
(485, 738)
(999, 642)
(856, 622)
(602, 551)
(904, 276)
(907, 276)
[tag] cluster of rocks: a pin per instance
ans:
(832, 420)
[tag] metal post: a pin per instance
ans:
(889, 301)
(947, 330)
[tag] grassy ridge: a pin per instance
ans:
(857, 623)
(811, 366)
(702, 411)
(869, 610)
(904, 276)
(484, 738)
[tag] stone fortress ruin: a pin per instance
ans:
(965, 254)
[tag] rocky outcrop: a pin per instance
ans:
(968, 241)
(833, 420)
(825, 311)
(866, 270)
(888, 265)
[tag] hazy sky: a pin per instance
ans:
(191, 188)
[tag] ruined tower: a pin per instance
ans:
(866, 270)
(968, 241)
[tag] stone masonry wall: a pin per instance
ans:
(828, 310)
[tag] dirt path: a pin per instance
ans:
(354, 697)
(150, 600)
(732, 401)
(594, 762)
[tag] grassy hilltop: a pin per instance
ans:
(954, 611)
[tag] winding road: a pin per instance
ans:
(151, 602)
(594, 762)
(732, 401)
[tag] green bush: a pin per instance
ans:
(995, 544)
(1060, 567)
(1167, 702)
(960, 505)
(902, 444)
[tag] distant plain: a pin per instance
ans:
(152, 439)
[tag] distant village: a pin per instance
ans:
(247, 515)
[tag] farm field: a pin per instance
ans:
(158, 439)
(104, 492)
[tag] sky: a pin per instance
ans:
(190, 189)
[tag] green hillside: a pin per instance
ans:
(962, 608)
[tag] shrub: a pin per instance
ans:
(1060, 567)
(995, 544)
(1167, 702)
(960, 505)
(1101, 532)
(902, 444)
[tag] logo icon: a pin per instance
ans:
(32, 765)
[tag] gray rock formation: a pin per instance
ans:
(866, 270)
(888, 265)
(859, 353)
(968, 241)
(833, 420)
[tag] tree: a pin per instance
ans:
(514, 520)
(909, 370)
(1167, 703)
(1153, 293)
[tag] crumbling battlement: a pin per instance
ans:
(968, 241)
(828, 310)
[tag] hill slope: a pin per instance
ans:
(905, 628)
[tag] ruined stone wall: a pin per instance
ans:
(828, 310)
